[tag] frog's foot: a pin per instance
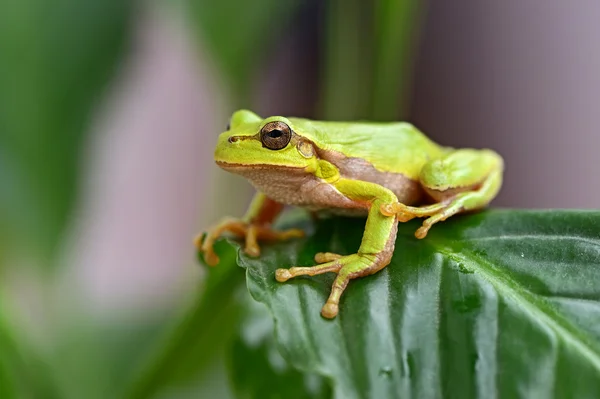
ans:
(404, 213)
(253, 233)
(347, 268)
(436, 212)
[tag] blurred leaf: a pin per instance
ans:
(57, 58)
(23, 373)
(397, 23)
(368, 59)
(187, 351)
(95, 357)
(241, 35)
(347, 63)
(501, 303)
(258, 370)
(7, 365)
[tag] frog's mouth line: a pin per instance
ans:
(233, 166)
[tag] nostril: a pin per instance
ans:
(232, 139)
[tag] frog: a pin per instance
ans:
(388, 172)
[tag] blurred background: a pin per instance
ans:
(109, 112)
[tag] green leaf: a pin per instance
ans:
(256, 367)
(501, 303)
(57, 58)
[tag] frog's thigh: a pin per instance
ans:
(458, 172)
(461, 181)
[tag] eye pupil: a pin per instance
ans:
(275, 135)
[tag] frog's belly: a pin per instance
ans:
(296, 187)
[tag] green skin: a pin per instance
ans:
(390, 172)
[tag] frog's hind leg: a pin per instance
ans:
(464, 180)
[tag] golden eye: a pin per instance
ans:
(275, 135)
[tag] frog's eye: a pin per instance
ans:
(275, 135)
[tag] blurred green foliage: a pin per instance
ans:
(257, 368)
(57, 60)
(240, 36)
(191, 346)
(368, 58)
(24, 373)
(9, 364)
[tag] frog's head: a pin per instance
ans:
(275, 142)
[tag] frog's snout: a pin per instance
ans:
(224, 146)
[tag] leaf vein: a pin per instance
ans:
(589, 241)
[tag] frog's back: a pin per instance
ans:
(396, 147)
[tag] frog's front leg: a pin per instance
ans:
(463, 180)
(374, 253)
(255, 226)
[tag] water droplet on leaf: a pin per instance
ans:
(385, 371)
(463, 269)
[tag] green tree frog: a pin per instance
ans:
(388, 172)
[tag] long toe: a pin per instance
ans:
(330, 310)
